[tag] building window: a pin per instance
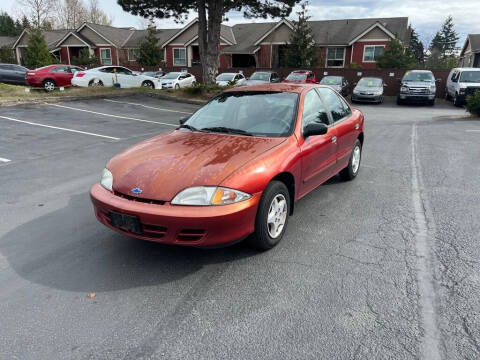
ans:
(132, 54)
(335, 57)
(106, 56)
(179, 57)
(372, 52)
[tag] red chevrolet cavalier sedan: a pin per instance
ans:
(235, 168)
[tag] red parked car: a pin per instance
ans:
(301, 77)
(234, 168)
(52, 76)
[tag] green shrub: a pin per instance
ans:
(473, 103)
(201, 89)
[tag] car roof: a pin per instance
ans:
(302, 71)
(266, 71)
(466, 69)
(229, 73)
(420, 71)
(280, 87)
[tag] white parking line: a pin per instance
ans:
(4, 160)
(148, 107)
(59, 128)
(111, 115)
(472, 130)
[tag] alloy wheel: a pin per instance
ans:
(277, 216)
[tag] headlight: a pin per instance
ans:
(356, 92)
(433, 90)
(209, 195)
(404, 89)
(378, 92)
(107, 179)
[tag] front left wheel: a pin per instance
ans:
(272, 216)
(351, 171)
(148, 84)
(48, 85)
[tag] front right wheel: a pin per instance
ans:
(351, 171)
(272, 216)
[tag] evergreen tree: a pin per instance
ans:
(37, 53)
(449, 36)
(8, 26)
(302, 51)
(25, 23)
(149, 53)
(6, 55)
(416, 46)
(395, 57)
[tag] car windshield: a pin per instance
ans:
(260, 76)
(296, 77)
(470, 77)
(419, 76)
(172, 75)
(225, 77)
(331, 80)
(269, 114)
(370, 82)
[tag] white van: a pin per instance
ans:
(462, 82)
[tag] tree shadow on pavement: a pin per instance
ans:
(69, 249)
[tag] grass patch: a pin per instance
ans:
(17, 92)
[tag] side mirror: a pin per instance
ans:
(315, 129)
(385, 85)
(183, 120)
(438, 80)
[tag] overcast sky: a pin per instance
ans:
(425, 15)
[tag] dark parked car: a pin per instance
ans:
(337, 83)
(369, 89)
(13, 74)
(263, 77)
(417, 86)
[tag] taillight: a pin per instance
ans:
(30, 73)
(80, 74)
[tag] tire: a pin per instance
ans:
(48, 85)
(456, 102)
(148, 84)
(194, 83)
(351, 171)
(276, 202)
(399, 101)
(431, 103)
(95, 83)
(447, 96)
(177, 86)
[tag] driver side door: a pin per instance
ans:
(318, 153)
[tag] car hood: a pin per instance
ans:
(166, 164)
(419, 84)
(256, 82)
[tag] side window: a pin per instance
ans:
(310, 77)
(314, 110)
(337, 106)
(60, 69)
(455, 76)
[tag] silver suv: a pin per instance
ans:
(417, 86)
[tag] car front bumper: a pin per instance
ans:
(367, 98)
(416, 97)
(179, 225)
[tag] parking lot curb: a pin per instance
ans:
(176, 98)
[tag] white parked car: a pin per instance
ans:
(109, 75)
(177, 80)
(462, 82)
(225, 78)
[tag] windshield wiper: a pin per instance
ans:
(227, 130)
(189, 127)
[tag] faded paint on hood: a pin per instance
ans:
(166, 164)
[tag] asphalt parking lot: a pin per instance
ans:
(384, 267)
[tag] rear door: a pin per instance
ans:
(318, 152)
(61, 75)
(344, 124)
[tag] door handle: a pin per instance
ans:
(357, 126)
(334, 139)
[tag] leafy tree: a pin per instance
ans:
(302, 51)
(149, 53)
(210, 16)
(8, 26)
(6, 55)
(395, 57)
(416, 46)
(84, 58)
(37, 53)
